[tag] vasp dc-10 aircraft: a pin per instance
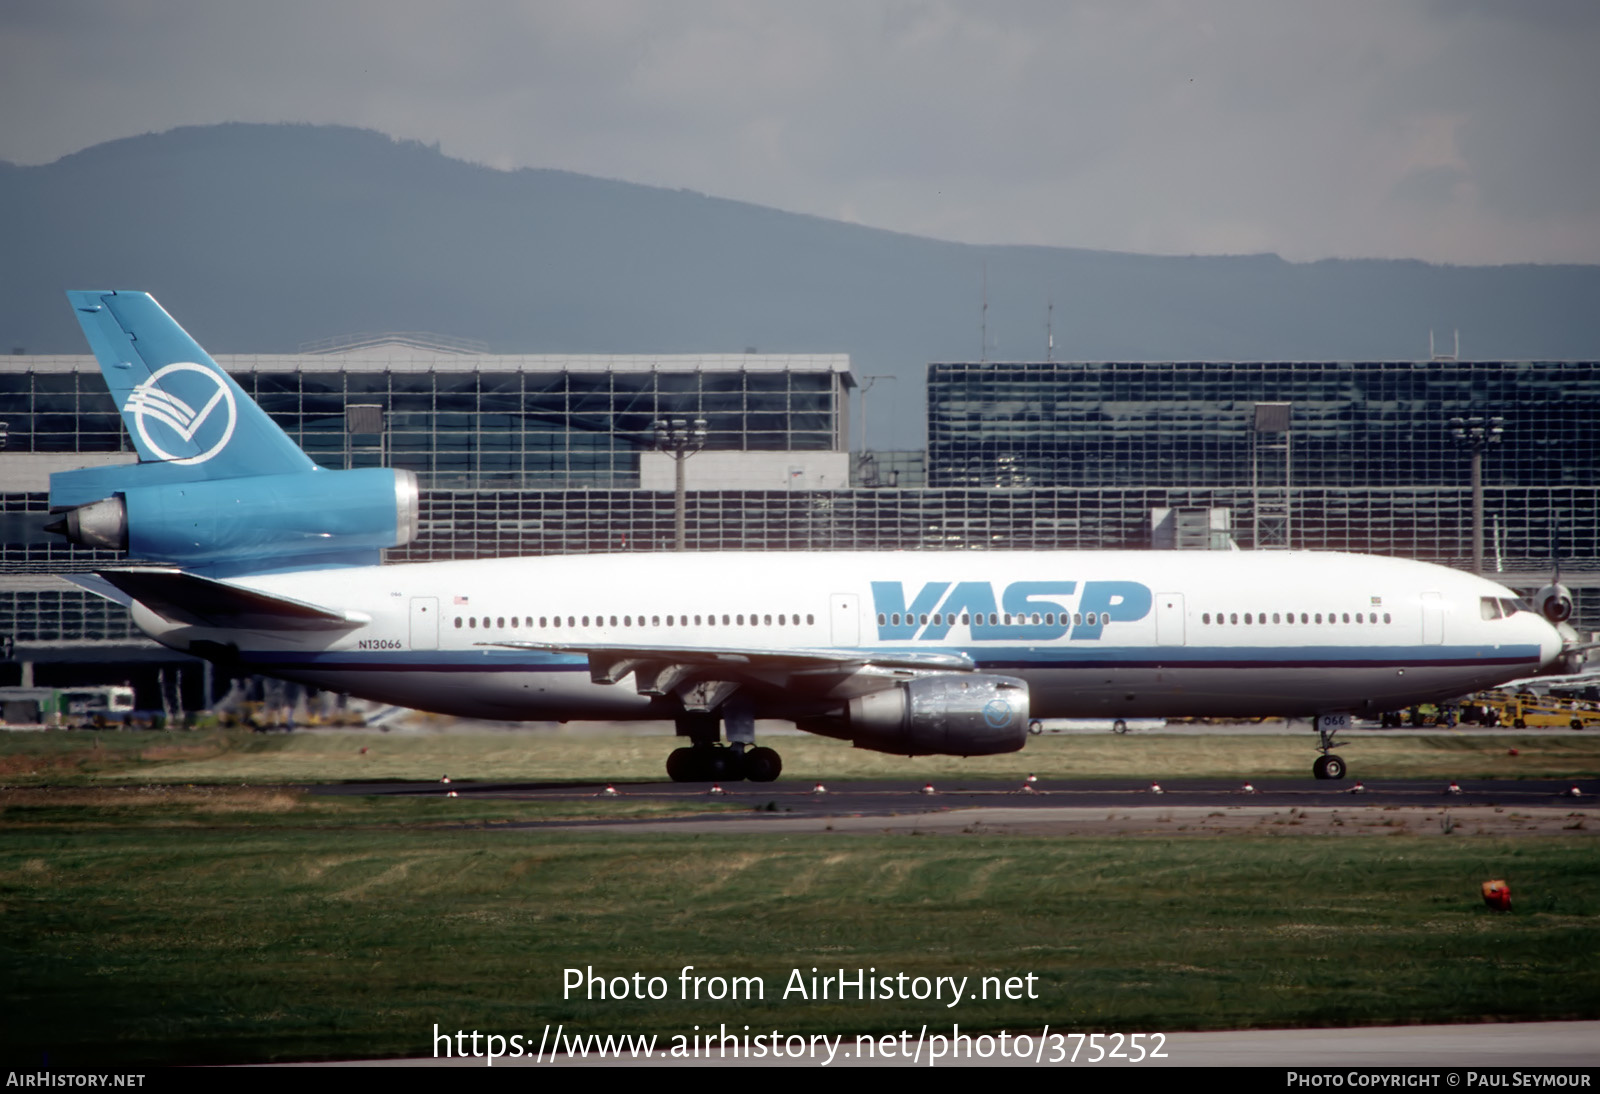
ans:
(258, 559)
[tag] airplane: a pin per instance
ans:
(252, 556)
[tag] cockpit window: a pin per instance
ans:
(1490, 607)
(1512, 607)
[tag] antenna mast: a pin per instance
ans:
(983, 351)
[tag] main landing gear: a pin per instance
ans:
(723, 763)
(705, 760)
(1328, 765)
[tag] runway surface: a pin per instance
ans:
(1055, 805)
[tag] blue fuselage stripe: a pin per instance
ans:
(1004, 659)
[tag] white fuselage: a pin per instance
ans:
(1124, 633)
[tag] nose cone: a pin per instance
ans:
(1550, 641)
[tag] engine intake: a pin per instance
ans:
(1554, 602)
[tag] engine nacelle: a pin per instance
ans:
(1554, 602)
(949, 714)
(252, 518)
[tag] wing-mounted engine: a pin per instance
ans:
(943, 714)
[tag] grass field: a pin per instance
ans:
(257, 931)
(227, 923)
(121, 757)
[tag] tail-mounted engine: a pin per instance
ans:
(1554, 602)
(256, 518)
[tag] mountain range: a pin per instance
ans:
(261, 237)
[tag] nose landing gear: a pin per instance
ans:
(1328, 765)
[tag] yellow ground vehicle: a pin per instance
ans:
(1527, 710)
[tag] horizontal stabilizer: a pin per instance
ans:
(191, 600)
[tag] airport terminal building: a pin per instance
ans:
(543, 454)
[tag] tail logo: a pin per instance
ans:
(151, 402)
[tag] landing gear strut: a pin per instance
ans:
(705, 760)
(1328, 765)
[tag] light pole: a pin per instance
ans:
(680, 438)
(1477, 433)
(866, 386)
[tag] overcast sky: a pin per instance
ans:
(1464, 131)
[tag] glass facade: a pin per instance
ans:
(1353, 424)
(542, 430)
(540, 427)
(59, 410)
(519, 457)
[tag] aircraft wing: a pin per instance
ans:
(661, 670)
(190, 600)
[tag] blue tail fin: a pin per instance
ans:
(218, 485)
(179, 407)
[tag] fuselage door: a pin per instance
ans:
(1432, 619)
(844, 611)
(424, 623)
(1169, 619)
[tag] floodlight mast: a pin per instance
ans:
(680, 438)
(1477, 433)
